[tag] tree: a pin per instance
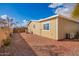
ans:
(3, 23)
(7, 22)
(75, 13)
(28, 21)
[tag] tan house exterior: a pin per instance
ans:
(54, 27)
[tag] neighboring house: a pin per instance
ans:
(54, 27)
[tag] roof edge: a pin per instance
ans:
(69, 18)
(48, 17)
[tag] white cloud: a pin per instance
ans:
(58, 10)
(69, 5)
(4, 16)
(65, 10)
(62, 11)
(24, 22)
(54, 5)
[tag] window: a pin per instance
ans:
(33, 26)
(46, 26)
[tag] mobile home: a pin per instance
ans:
(54, 27)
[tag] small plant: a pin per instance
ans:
(7, 41)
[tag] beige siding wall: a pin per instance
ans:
(36, 30)
(33, 30)
(30, 27)
(66, 26)
(40, 31)
(49, 33)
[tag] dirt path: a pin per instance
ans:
(18, 47)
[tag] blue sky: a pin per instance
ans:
(21, 11)
(34, 11)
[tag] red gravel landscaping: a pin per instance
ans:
(44, 46)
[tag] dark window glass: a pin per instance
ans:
(46, 26)
(33, 26)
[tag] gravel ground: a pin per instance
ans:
(49, 47)
(23, 44)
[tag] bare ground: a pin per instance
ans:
(45, 46)
(18, 47)
(24, 44)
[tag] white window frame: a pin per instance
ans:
(46, 23)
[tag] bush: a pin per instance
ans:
(7, 41)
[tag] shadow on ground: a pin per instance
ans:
(72, 40)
